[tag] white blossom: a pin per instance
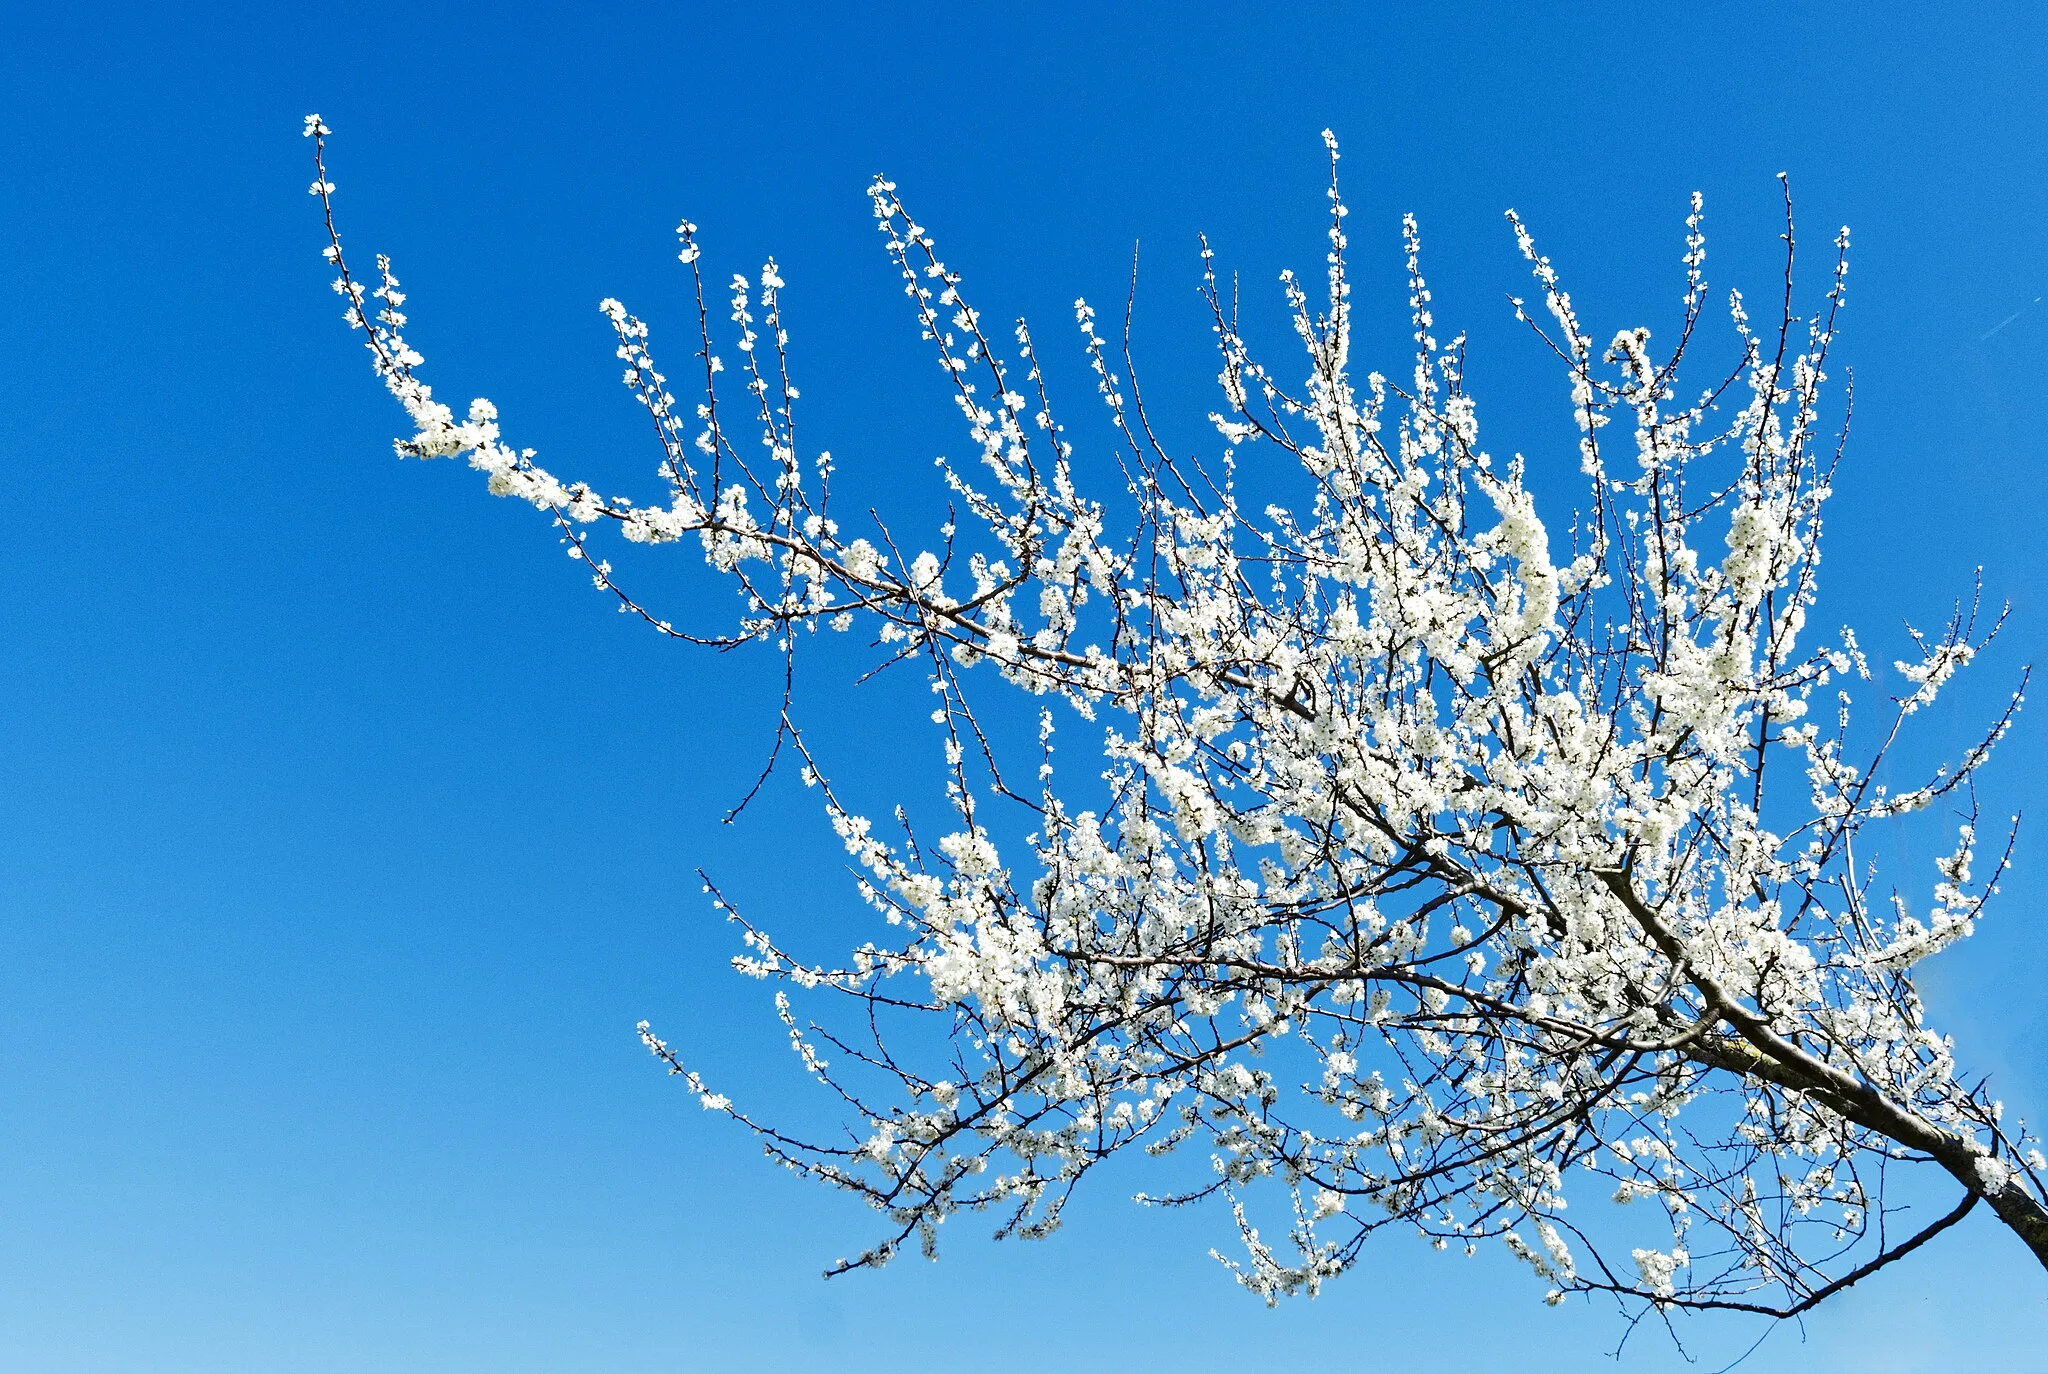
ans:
(1415, 875)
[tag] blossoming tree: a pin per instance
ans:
(1432, 872)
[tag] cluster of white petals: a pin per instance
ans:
(1445, 860)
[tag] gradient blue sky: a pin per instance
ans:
(345, 835)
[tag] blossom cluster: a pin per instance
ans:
(1443, 861)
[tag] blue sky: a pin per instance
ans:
(345, 834)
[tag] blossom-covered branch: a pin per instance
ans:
(1442, 860)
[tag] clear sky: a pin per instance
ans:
(345, 834)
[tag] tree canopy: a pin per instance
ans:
(1428, 861)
